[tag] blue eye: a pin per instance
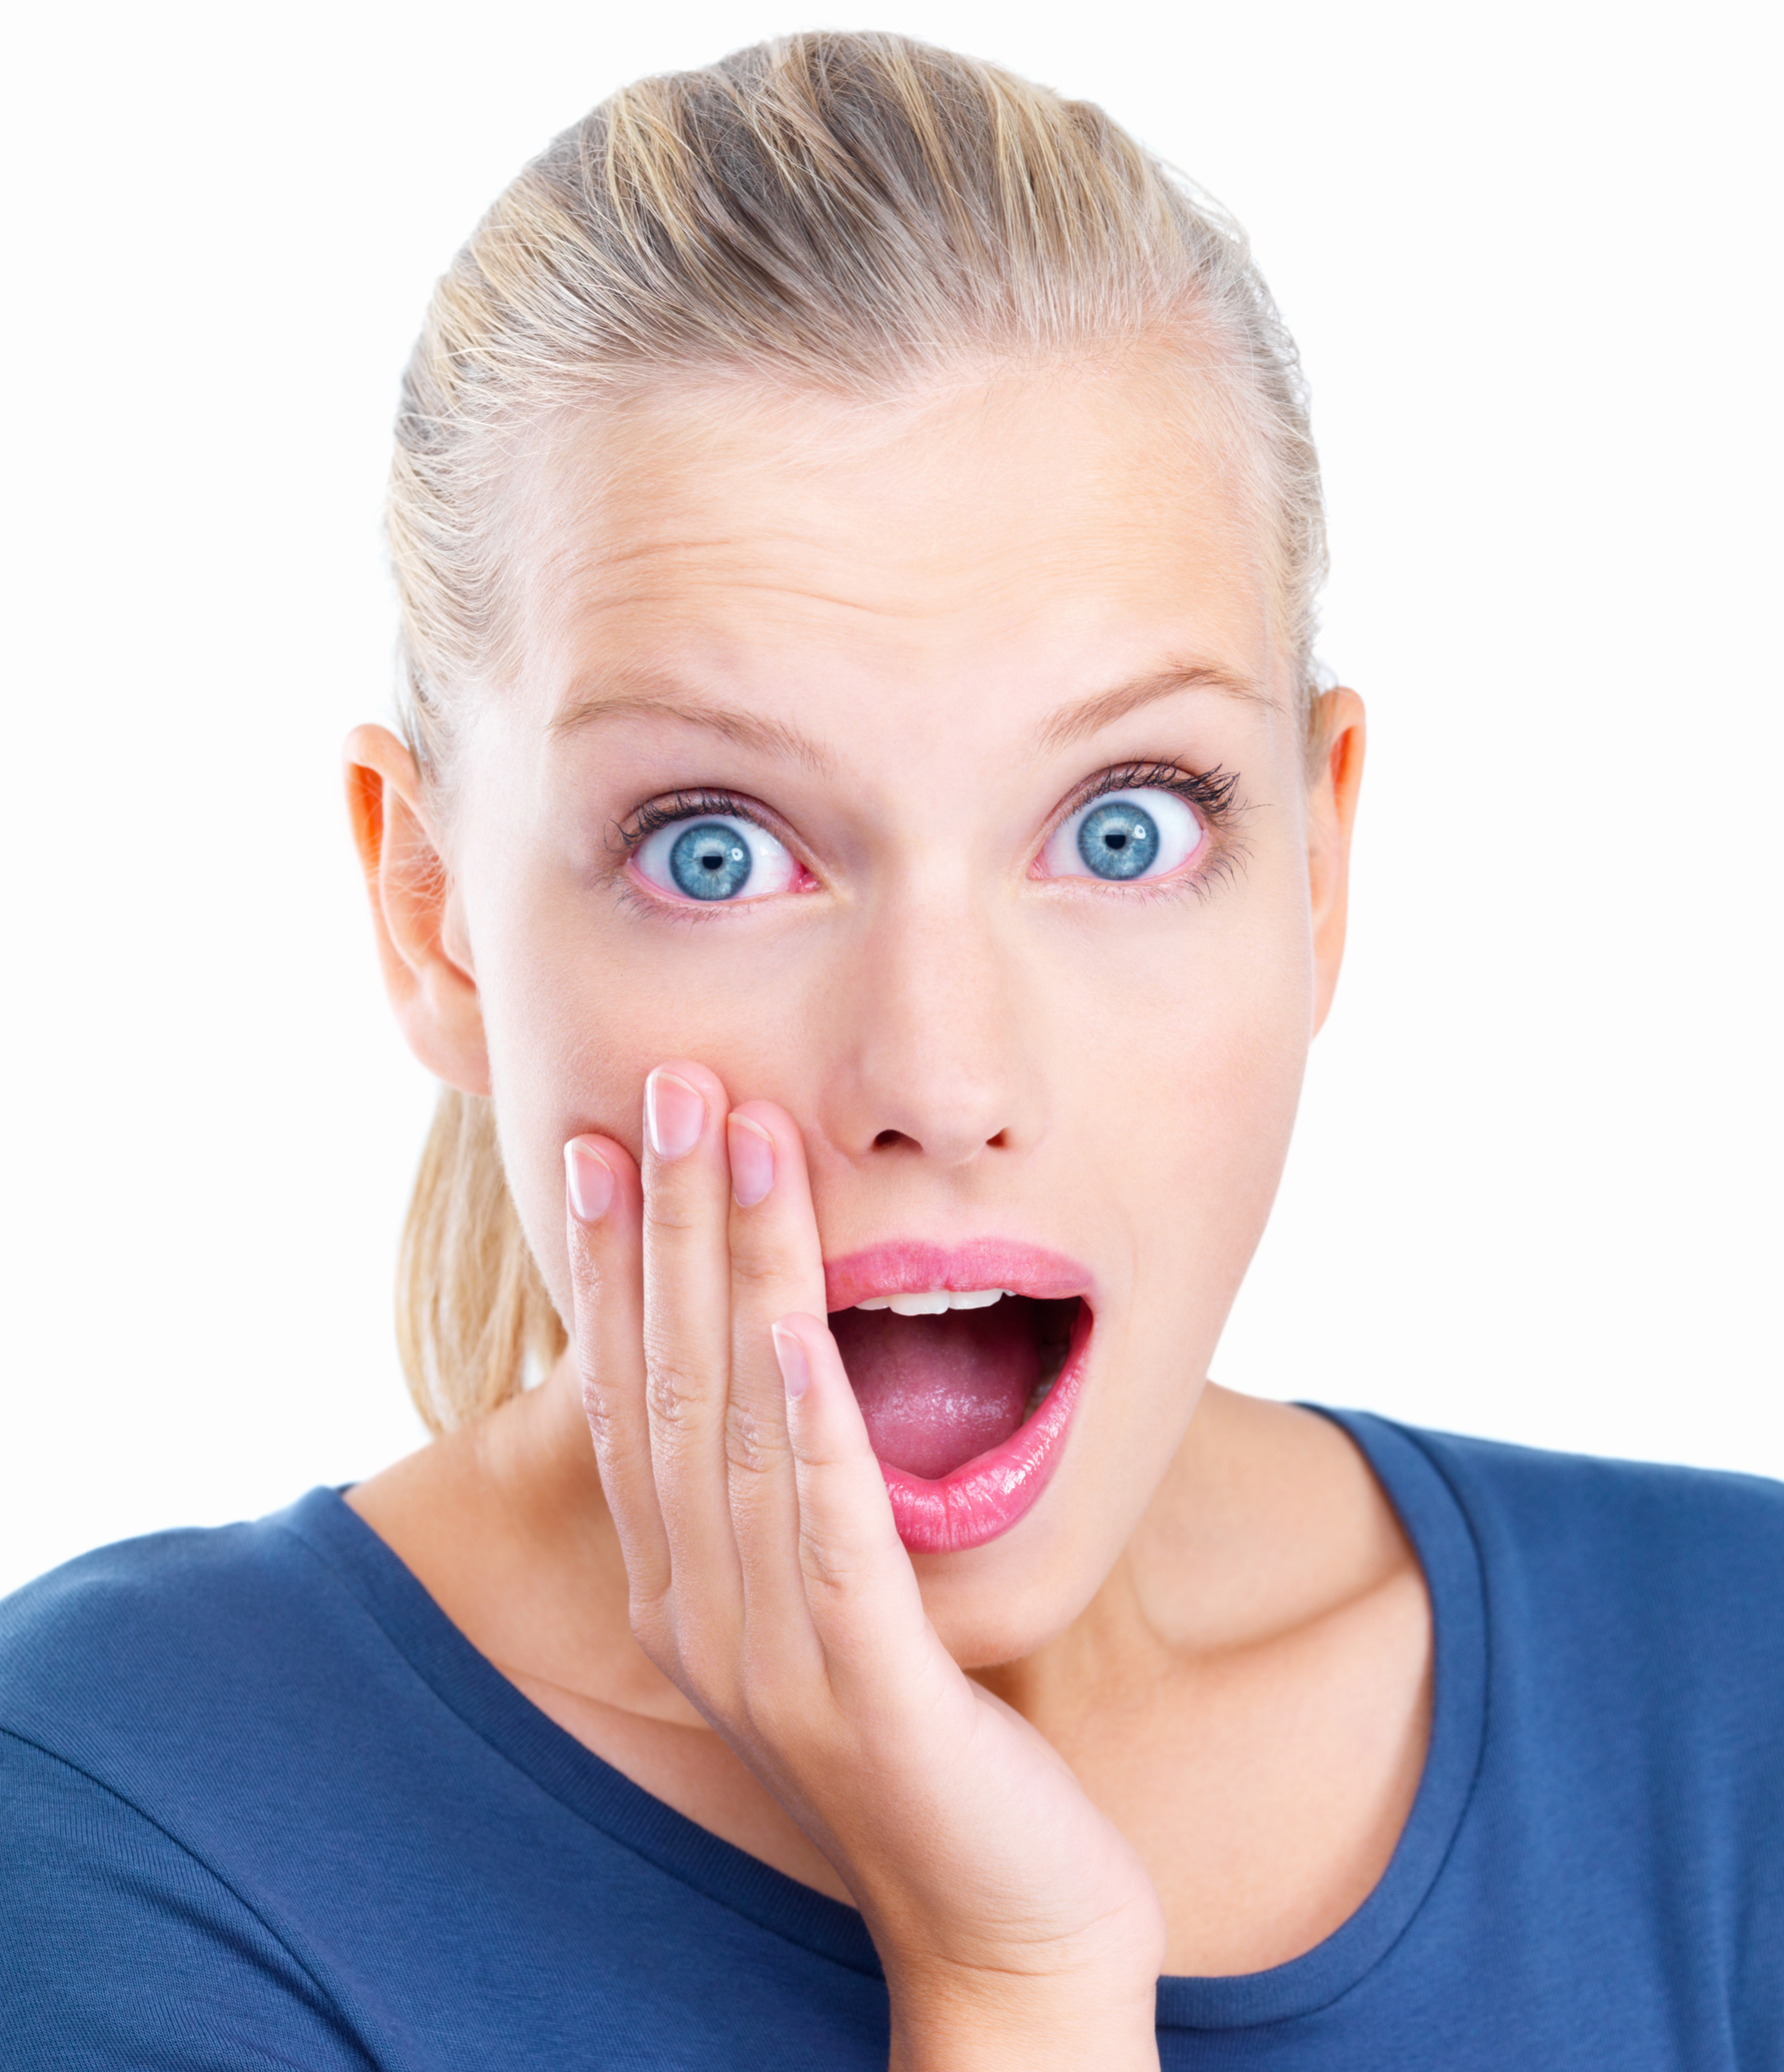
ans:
(1139, 833)
(710, 861)
(1117, 841)
(715, 857)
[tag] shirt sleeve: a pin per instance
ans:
(121, 1952)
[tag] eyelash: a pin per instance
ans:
(1210, 792)
(683, 806)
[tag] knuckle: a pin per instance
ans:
(831, 1568)
(817, 1462)
(602, 1412)
(754, 1446)
(678, 1391)
(754, 1266)
(672, 1212)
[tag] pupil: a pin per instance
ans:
(710, 861)
(1117, 840)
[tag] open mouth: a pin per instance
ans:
(965, 1382)
(939, 1385)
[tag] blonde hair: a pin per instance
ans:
(852, 213)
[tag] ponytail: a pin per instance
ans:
(472, 1308)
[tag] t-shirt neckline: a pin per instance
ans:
(1447, 1551)
(592, 1789)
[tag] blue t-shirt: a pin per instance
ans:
(261, 1804)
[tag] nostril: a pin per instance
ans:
(887, 1140)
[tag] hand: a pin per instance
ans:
(1015, 1924)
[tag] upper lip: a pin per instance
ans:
(911, 1265)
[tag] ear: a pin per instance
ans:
(427, 971)
(1331, 813)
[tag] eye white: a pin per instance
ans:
(713, 859)
(1124, 836)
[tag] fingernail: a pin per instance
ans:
(751, 1151)
(591, 1181)
(796, 1370)
(674, 1115)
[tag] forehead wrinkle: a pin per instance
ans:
(1074, 721)
(745, 729)
(746, 563)
(693, 567)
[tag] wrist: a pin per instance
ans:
(954, 2020)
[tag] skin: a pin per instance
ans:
(1175, 1718)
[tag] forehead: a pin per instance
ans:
(1053, 524)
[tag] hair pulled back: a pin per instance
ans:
(851, 213)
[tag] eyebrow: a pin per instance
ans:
(776, 737)
(1090, 714)
(730, 722)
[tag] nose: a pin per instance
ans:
(938, 1050)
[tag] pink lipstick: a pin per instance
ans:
(967, 1361)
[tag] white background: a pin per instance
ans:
(1526, 248)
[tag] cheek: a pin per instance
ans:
(1187, 1076)
(1187, 1052)
(1230, 1088)
(576, 1015)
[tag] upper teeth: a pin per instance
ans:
(935, 1301)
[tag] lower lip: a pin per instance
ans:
(988, 1494)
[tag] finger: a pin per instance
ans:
(606, 1263)
(777, 1267)
(687, 1338)
(861, 1590)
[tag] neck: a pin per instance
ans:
(1266, 1519)
(1235, 1548)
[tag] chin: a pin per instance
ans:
(985, 1373)
(1002, 1603)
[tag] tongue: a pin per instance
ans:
(936, 1390)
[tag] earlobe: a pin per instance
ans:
(1332, 815)
(410, 889)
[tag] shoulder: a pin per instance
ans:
(151, 1694)
(1629, 1583)
(156, 1644)
(1568, 1508)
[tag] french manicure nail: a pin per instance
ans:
(751, 1151)
(796, 1370)
(674, 1115)
(591, 1181)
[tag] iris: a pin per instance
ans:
(1119, 839)
(710, 861)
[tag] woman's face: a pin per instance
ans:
(1004, 874)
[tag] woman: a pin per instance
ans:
(867, 860)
